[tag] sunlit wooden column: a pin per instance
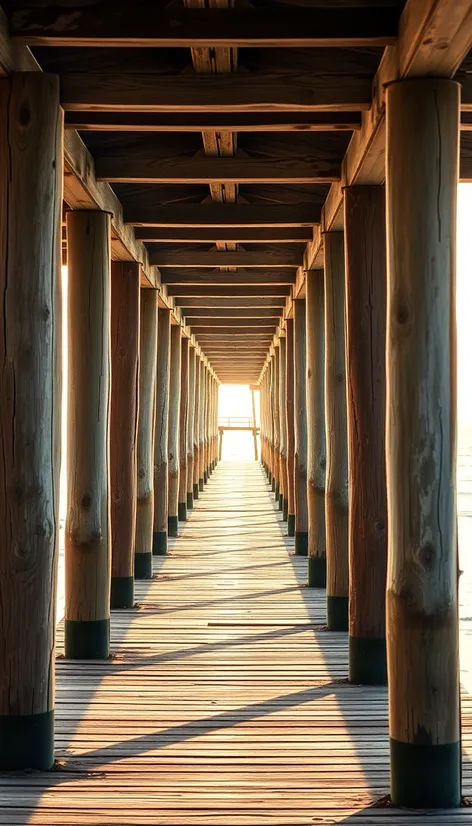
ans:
(183, 429)
(270, 415)
(31, 144)
(300, 426)
(206, 408)
(316, 431)
(276, 403)
(146, 426)
(215, 422)
(201, 434)
(196, 429)
(263, 424)
(366, 286)
(87, 528)
(290, 438)
(161, 435)
(125, 295)
(283, 429)
(337, 482)
(422, 605)
(190, 425)
(174, 420)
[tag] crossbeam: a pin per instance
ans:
(213, 121)
(251, 278)
(209, 215)
(233, 235)
(215, 258)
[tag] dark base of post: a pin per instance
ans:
(367, 660)
(301, 543)
(159, 543)
(196, 491)
(201, 485)
(290, 524)
(182, 512)
(317, 571)
(285, 510)
(173, 526)
(269, 477)
(122, 592)
(143, 566)
(189, 501)
(27, 741)
(273, 484)
(425, 776)
(87, 639)
(277, 492)
(281, 501)
(337, 613)
(205, 477)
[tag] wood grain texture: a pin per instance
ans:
(31, 128)
(192, 356)
(174, 418)
(290, 413)
(161, 481)
(183, 423)
(300, 423)
(196, 424)
(194, 259)
(316, 417)
(283, 417)
(146, 421)
(422, 632)
(208, 215)
(125, 296)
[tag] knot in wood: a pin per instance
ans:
(86, 501)
(402, 314)
(427, 555)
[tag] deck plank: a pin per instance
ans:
(225, 702)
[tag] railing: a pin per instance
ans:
(236, 421)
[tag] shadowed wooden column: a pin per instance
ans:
(201, 422)
(270, 417)
(300, 426)
(174, 417)
(196, 429)
(289, 377)
(422, 619)
(316, 433)
(337, 482)
(190, 424)
(125, 294)
(88, 529)
(183, 429)
(161, 435)
(206, 407)
(31, 134)
(283, 429)
(276, 403)
(146, 426)
(366, 286)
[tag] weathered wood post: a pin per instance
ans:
(125, 294)
(316, 432)
(88, 529)
(283, 430)
(31, 134)
(276, 402)
(190, 425)
(270, 412)
(196, 429)
(146, 426)
(215, 422)
(254, 423)
(206, 408)
(161, 435)
(289, 412)
(183, 429)
(366, 287)
(174, 417)
(201, 421)
(422, 607)
(337, 483)
(300, 426)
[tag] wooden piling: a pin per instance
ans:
(300, 427)
(161, 435)
(183, 429)
(196, 430)
(174, 419)
(190, 425)
(289, 412)
(316, 432)
(283, 430)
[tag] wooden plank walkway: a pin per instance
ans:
(225, 703)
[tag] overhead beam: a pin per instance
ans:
(214, 122)
(230, 278)
(211, 323)
(231, 312)
(209, 215)
(257, 235)
(217, 93)
(221, 304)
(215, 258)
(112, 25)
(228, 291)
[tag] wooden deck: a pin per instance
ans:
(225, 702)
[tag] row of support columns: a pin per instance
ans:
(141, 418)
(369, 359)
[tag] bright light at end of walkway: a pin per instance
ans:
(235, 410)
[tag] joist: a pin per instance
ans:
(150, 26)
(231, 312)
(213, 235)
(208, 215)
(215, 258)
(280, 276)
(219, 322)
(215, 122)
(211, 304)
(228, 290)
(236, 92)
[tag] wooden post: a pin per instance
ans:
(125, 290)
(190, 425)
(270, 413)
(146, 425)
(161, 435)
(174, 417)
(31, 130)
(300, 426)
(254, 423)
(316, 452)
(201, 420)
(283, 430)
(422, 618)
(221, 444)
(196, 428)
(205, 424)
(337, 482)
(88, 530)
(276, 402)
(366, 284)
(289, 412)
(183, 429)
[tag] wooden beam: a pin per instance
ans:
(140, 167)
(224, 215)
(213, 121)
(161, 477)
(213, 235)
(217, 93)
(215, 258)
(210, 304)
(204, 322)
(111, 25)
(230, 278)
(228, 291)
(216, 313)
(174, 418)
